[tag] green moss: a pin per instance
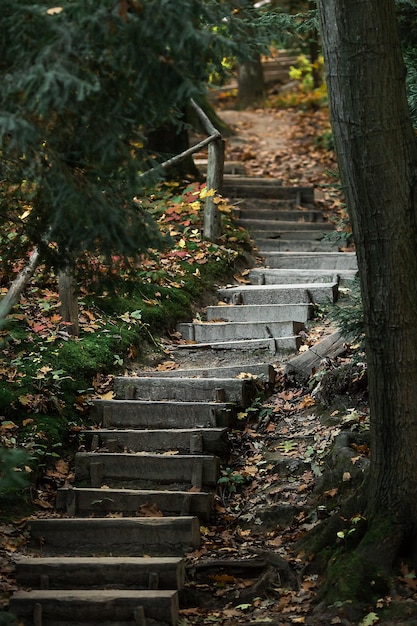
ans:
(351, 577)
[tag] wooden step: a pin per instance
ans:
(160, 414)
(240, 391)
(144, 471)
(205, 332)
(182, 440)
(101, 572)
(89, 502)
(95, 607)
(139, 536)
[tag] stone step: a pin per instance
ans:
(159, 414)
(279, 227)
(108, 607)
(274, 276)
(251, 187)
(311, 260)
(101, 572)
(261, 370)
(281, 212)
(78, 502)
(146, 470)
(317, 293)
(265, 245)
(138, 536)
(241, 392)
(184, 440)
(261, 312)
(206, 332)
(273, 346)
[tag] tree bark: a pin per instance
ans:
(377, 155)
(250, 81)
(69, 302)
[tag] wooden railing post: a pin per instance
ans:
(215, 166)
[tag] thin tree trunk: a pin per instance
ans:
(69, 302)
(377, 154)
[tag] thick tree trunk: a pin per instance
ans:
(377, 154)
(168, 140)
(250, 81)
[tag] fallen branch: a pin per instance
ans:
(18, 285)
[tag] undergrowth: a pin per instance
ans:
(48, 378)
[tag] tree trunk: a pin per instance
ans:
(250, 82)
(377, 155)
(168, 140)
(69, 302)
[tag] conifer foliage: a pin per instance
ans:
(80, 83)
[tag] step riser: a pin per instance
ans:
(296, 245)
(262, 313)
(132, 502)
(137, 414)
(261, 347)
(238, 189)
(162, 536)
(205, 333)
(281, 214)
(182, 389)
(95, 607)
(326, 261)
(278, 226)
(262, 370)
(197, 441)
(278, 276)
(146, 470)
(301, 235)
(277, 294)
(105, 573)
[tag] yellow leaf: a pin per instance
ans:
(181, 243)
(204, 193)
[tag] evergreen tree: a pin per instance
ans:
(80, 83)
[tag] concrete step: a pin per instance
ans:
(241, 392)
(101, 572)
(293, 276)
(261, 313)
(184, 440)
(279, 227)
(61, 607)
(265, 245)
(261, 370)
(311, 260)
(281, 212)
(273, 346)
(145, 471)
(160, 414)
(251, 187)
(206, 332)
(126, 536)
(78, 502)
(317, 293)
